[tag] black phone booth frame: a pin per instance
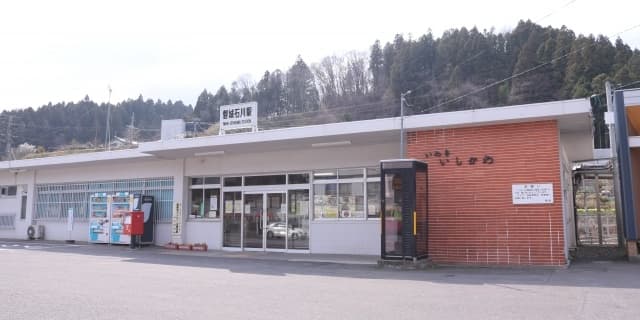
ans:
(404, 220)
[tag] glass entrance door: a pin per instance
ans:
(276, 221)
(253, 220)
(265, 220)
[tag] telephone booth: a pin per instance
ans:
(404, 196)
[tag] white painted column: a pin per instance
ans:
(26, 186)
(178, 220)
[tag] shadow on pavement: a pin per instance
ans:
(605, 274)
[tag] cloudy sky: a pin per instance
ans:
(63, 50)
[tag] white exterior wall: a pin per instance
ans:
(345, 237)
(291, 160)
(102, 172)
(335, 236)
(12, 205)
(162, 233)
(57, 230)
(209, 232)
(566, 180)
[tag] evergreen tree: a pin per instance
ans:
(302, 94)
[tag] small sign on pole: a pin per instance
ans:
(69, 225)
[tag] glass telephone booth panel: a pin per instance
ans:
(403, 197)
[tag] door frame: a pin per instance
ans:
(265, 192)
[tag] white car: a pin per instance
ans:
(279, 230)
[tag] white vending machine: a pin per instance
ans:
(121, 203)
(106, 217)
(99, 218)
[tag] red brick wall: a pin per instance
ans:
(472, 219)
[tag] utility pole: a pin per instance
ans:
(8, 146)
(132, 128)
(107, 138)
(402, 102)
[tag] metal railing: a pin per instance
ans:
(7, 221)
(53, 201)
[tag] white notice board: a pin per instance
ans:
(532, 193)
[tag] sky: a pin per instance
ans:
(63, 50)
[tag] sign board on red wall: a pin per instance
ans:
(532, 193)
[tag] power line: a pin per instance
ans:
(555, 10)
(627, 85)
(519, 73)
(481, 52)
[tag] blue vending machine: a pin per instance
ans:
(99, 218)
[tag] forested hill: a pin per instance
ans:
(461, 69)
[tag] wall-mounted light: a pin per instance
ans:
(331, 144)
(209, 153)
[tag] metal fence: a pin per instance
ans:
(597, 229)
(7, 221)
(54, 200)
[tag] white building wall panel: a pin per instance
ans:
(119, 170)
(12, 205)
(57, 230)
(345, 237)
(209, 232)
(288, 161)
(162, 234)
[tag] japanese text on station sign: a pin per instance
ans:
(238, 116)
(532, 193)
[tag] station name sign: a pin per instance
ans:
(239, 116)
(532, 193)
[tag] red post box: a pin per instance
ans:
(137, 223)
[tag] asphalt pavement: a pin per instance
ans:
(49, 280)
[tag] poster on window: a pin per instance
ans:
(213, 203)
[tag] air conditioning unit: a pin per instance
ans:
(35, 232)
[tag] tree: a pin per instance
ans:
(302, 95)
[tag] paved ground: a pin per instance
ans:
(43, 280)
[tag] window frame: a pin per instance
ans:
(203, 187)
(364, 180)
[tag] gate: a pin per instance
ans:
(595, 208)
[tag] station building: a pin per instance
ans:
(316, 189)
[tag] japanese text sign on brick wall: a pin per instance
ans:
(532, 193)
(239, 116)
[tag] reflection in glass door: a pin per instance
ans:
(270, 224)
(253, 220)
(393, 215)
(232, 219)
(298, 219)
(276, 218)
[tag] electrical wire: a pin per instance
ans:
(519, 73)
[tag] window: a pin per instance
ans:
(351, 200)
(23, 207)
(373, 192)
(373, 199)
(53, 201)
(299, 178)
(8, 191)
(204, 198)
(325, 175)
(233, 181)
(325, 200)
(346, 193)
(264, 180)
